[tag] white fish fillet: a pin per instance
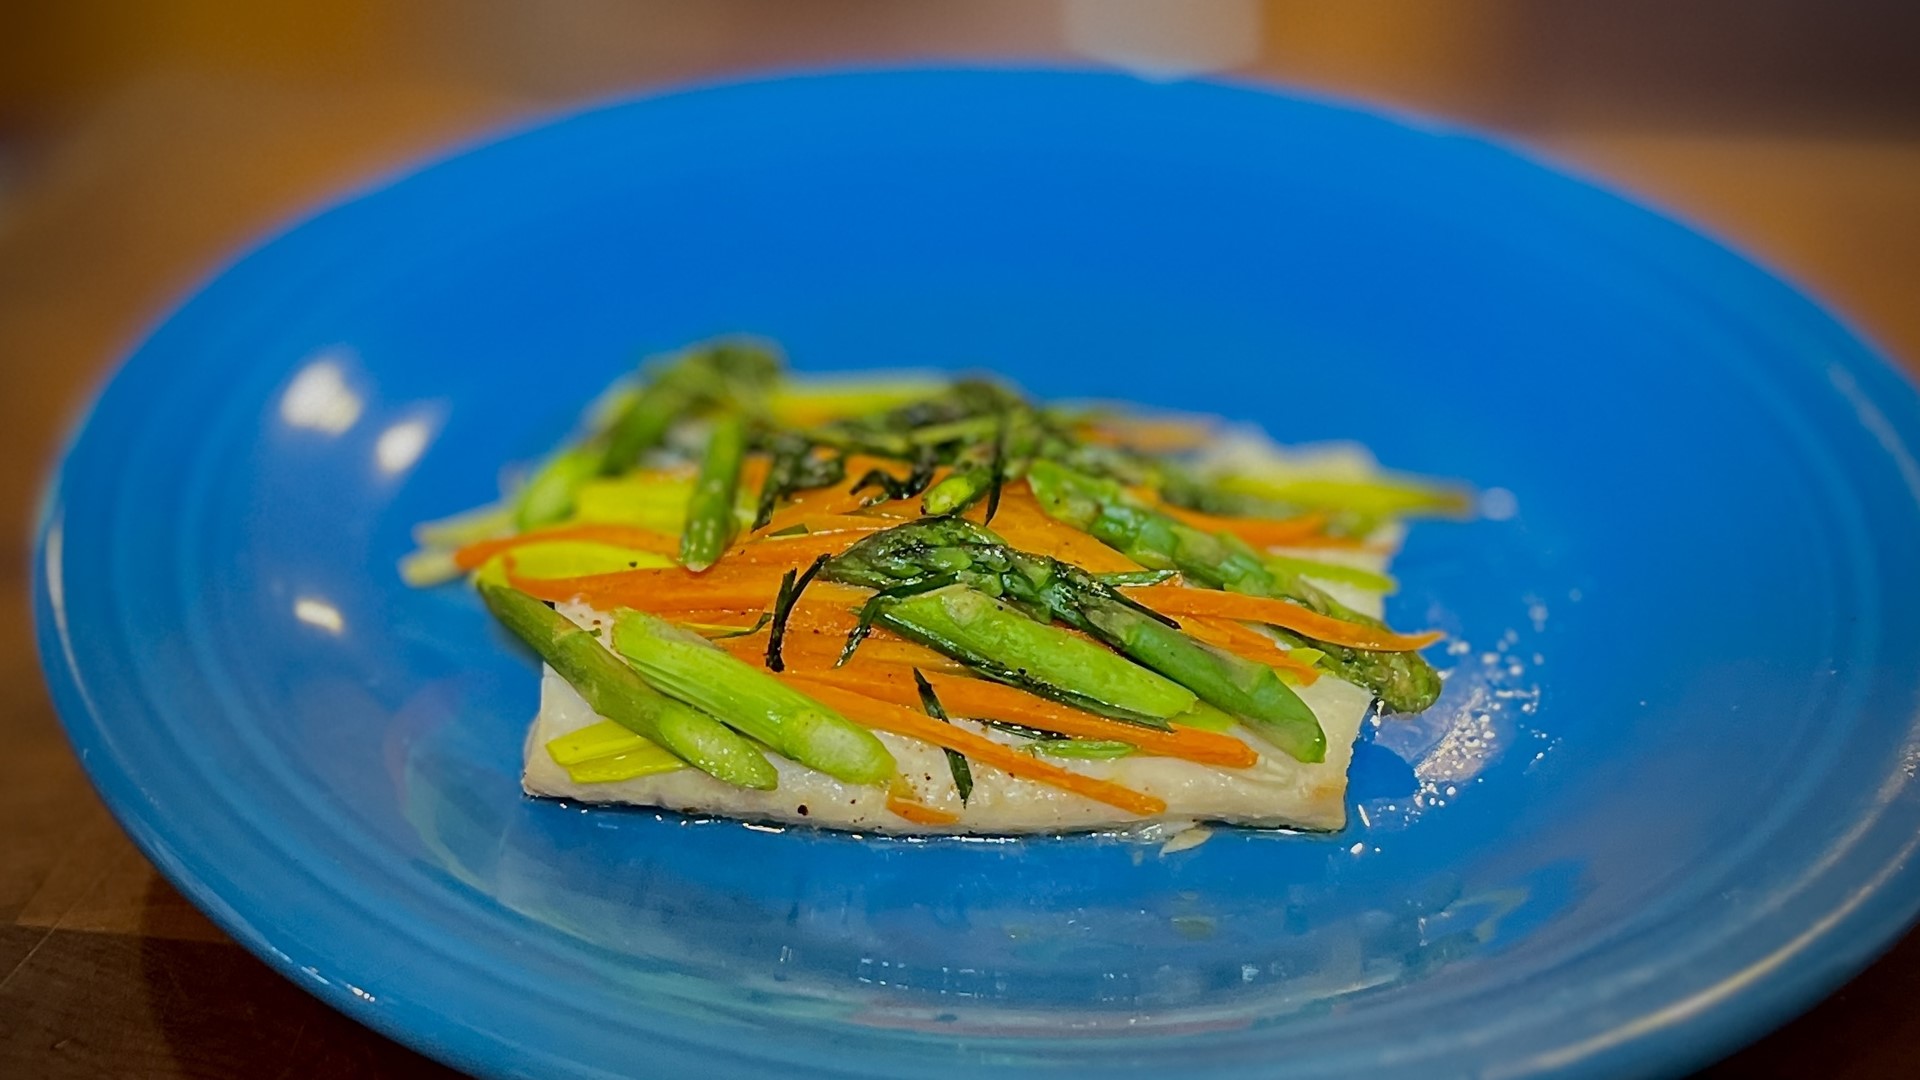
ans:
(1277, 791)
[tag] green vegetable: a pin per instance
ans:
(1235, 685)
(549, 496)
(648, 760)
(686, 667)
(602, 739)
(956, 492)
(605, 752)
(1370, 580)
(930, 550)
(579, 558)
(616, 692)
(650, 502)
(890, 487)
(728, 373)
(428, 567)
(711, 523)
(793, 468)
(1004, 644)
(1400, 687)
(721, 631)
(1083, 749)
(1014, 433)
(1205, 717)
(1046, 742)
(466, 527)
(948, 423)
(1403, 681)
(1380, 496)
(724, 372)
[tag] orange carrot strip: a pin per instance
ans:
(1024, 525)
(816, 524)
(753, 471)
(815, 639)
(882, 658)
(1260, 532)
(920, 813)
(972, 698)
(1153, 436)
(663, 589)
(626, 536)
(672, 588)
(788, 551)
(808, 504)
(1179, 600)
(914, 724)
(744, 617)
(1344, 543)
(1250, 644)
(837, 499)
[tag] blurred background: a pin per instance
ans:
(143, 144)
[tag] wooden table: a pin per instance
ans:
(106, 972)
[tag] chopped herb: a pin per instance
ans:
(790, 590)
(956, 761)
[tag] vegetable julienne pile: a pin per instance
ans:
(790, 568)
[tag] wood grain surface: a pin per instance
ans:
(106, 972)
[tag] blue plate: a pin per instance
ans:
(1668, 800)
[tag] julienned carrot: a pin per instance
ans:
(626, 536)
(915, 724)
(1341, 543)
(1242, 640)
(808, 504)
(735, 618)
(1153, 436)
(1260, 532)
(791, 551)
(972, 698)
(671, 589)
(811, 646)
(1180, 600)
(838, 499)
(1023, 525)
(753, 472)
(920, 813)
(666, 587)
(816, 524)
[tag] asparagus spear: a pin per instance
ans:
(685, 666)
(965, 414)
(794, 468)
(549, 496)
(710, 519)
(719, 373)
(932, 550)
(1180, 488)
(1403, 681)
(616, 692)
(1009, 646)
(985, 466)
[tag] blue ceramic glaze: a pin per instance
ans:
(1667, 800)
